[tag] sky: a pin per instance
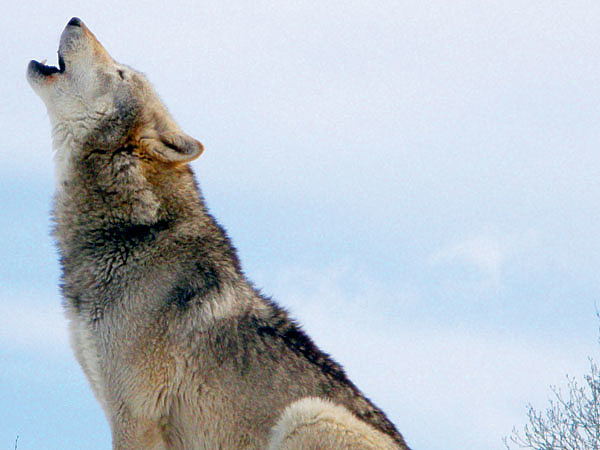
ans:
(417, 182)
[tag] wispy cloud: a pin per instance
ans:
(486, 252)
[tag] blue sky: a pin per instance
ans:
(418, 184)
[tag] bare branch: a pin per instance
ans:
(571, 421)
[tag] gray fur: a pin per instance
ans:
(181, 351)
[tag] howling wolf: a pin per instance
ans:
(179, 348)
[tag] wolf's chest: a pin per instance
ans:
(86, 347)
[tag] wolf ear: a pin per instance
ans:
(173, 147)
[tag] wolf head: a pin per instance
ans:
(95, 103)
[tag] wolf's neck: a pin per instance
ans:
(64, 145)
(112, 196)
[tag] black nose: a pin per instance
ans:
(74, 22)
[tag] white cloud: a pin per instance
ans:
(486, 252)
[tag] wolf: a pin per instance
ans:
(180, 349)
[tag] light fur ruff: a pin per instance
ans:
(312, 423)
(180, 349)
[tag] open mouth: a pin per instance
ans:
(45, 70)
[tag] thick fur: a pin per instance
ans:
(312, 423)
(179, 348)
